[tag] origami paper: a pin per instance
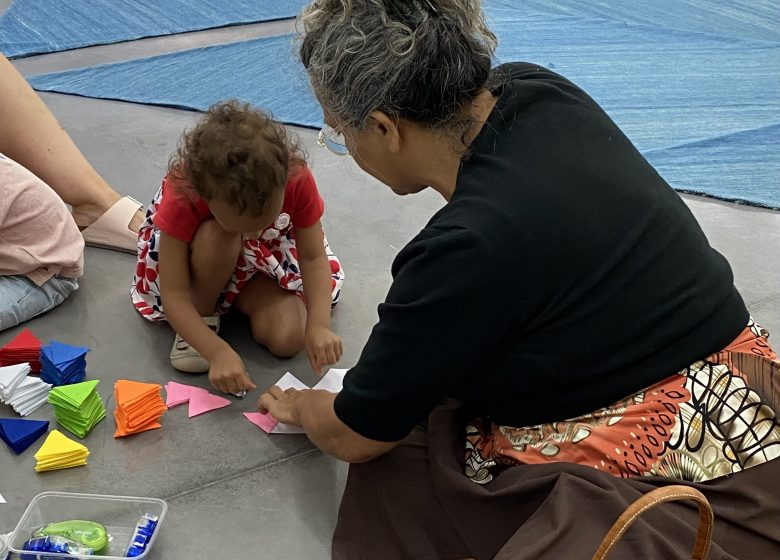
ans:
(60, 452)
(139, 406)
(24, 348)
(178, 393)
(20, 434)
(331, 381)
(30, 394)
(10, 377)
(201, 402)
(78, 407)
(63, 364)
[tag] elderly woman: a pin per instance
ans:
(559, 339)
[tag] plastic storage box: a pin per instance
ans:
(119, 514)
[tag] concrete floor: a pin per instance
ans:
(234, 492)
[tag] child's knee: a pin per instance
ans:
(284, 342)
(211, 235)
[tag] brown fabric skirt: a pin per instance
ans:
(416, 503)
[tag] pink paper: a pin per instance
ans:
(265, 422)
(202, 401)
(179, 393)
(331, 381)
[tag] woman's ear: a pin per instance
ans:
(386, 130)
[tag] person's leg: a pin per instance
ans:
(277, 316)
(21, 299)
(393, 500)
(31, 136)
(213, 256)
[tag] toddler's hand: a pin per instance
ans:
(228, 374)
(323, 347)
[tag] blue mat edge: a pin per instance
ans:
(140, 37)
(169, 106)
(735, 200)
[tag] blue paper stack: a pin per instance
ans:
(20, 434)
(63, 364)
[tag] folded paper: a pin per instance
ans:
(332, 381)
(24, 348)
(60, 452)
(19, 433)
(139, 407)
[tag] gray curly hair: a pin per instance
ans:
(421, 60)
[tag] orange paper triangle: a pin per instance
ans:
(127, 392)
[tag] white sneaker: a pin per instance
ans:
(185, 358)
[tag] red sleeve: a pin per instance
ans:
(180, 213)
(306, 204)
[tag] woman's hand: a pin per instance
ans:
(281, 405)
(313, 411)
(323, 347)
(227, 372)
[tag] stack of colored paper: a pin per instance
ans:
(10, 377)
(78, 407)
(24, 348)
(60, 452)
(20, 434)
(139, 406)
(63, 364)
(29, 395)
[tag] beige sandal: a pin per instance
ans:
(110, 230)
(185, 358)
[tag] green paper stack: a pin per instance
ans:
(78, 407)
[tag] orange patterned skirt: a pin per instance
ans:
(714, 418)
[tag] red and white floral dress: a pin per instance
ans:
(178, 212)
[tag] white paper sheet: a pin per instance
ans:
(10, 377)
(332, 381)
(29, 395)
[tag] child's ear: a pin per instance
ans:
(386, 129)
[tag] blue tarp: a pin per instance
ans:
(262, 71)
(40, 26)
(694, 84)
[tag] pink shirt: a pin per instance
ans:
(38, 237)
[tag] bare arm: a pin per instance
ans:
(315, 272)
(322, 345)
(227, 372)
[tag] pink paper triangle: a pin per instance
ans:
(203, 401)
(265, 422)
(179, 393)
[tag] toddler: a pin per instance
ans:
(236, 223)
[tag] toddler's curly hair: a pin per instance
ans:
(239, 154)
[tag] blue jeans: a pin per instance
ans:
(21, 299)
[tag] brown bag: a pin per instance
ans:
(652, 499)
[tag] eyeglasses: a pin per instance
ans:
(333, 140)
